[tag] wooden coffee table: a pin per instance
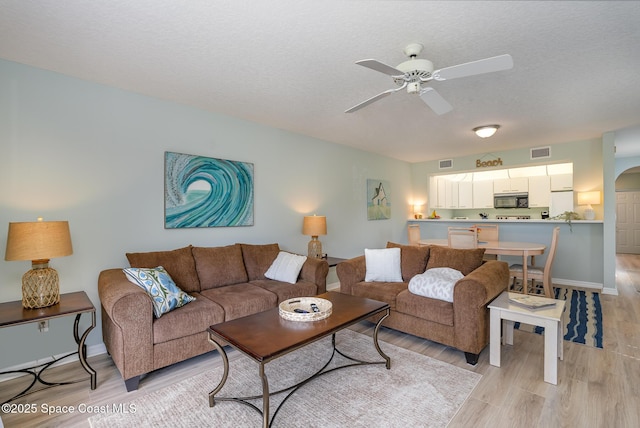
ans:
(266, 336)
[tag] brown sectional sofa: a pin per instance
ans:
(462, 324)
(227, 282)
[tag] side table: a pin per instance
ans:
(77, 303)
(551, 318)
(332, 277)
(333, 261)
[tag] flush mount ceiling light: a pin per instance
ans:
(486, 131)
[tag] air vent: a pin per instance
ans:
(541, 152)
(446, 164)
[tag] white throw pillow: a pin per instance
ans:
(383, 265)
(436, 283)
(286, 267)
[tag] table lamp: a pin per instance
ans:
(314, 225)
(417, 211)
(588, 199)
(39, 241)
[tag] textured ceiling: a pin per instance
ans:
(289, 64)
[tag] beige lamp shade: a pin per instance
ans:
(589, 198)
(39, 241)
(314, 225)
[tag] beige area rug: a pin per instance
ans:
(416, 391)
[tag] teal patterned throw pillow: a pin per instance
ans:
(164, 293)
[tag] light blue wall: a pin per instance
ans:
(94, 155)
(613, 168)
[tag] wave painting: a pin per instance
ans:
(207, 192)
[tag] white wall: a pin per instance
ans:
(94, 155)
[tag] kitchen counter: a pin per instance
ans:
(495, 220)
(582, 240)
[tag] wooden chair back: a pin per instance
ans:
(488, 232)
(539, 273)
(413, 233)
(463, 238)
(546, 280)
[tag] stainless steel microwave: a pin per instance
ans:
(520, 200)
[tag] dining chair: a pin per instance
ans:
(538, 273)
(488, 232)
(463, 237)
(413, 232)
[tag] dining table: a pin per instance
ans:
(503, 248)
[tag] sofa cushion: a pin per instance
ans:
(437, 283)
(258, 258)
(425, 308)
(165, 294)
(466, 261)
(286, 267)
(382, 265)
(178, 263)
(218, 266)
(240, 300)
(285, 291)
(413, 259)
(193, 318)
(382, 291)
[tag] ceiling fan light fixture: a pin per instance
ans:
(486, 131)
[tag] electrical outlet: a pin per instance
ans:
(43, 326)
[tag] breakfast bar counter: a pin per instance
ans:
(579, 258)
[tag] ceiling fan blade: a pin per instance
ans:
(487, 65)
(371, 100)
(435, 101)
(379, 66)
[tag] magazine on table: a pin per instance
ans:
(532, 302)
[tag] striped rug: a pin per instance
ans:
(583, 313)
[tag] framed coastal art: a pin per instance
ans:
(378, 199)
(206, 192)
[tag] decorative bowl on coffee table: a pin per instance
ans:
(305, 309)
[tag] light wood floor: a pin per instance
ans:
(597, 387)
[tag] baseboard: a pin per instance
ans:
(587, 285)
(92, 350)
(579, 284)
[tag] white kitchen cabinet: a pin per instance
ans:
(451, 194)
(539, 191)
(511, 185)
(502, 185)
(560, 202)
(437, 197)
(465, 194)
(483, 194)
(561, 182)
(443, 193)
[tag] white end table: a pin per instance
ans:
(551, 318)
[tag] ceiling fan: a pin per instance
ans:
(414, 73)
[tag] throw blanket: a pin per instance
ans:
(436, 283)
